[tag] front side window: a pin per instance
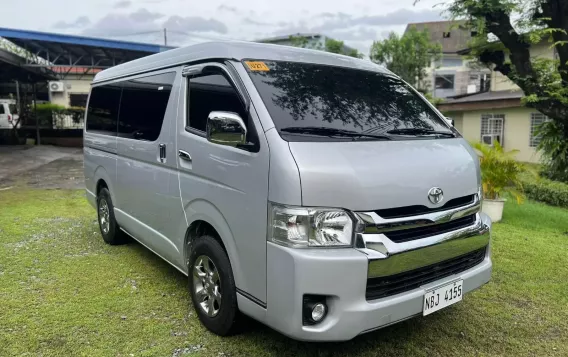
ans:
(143, 106)
(102, 114)
(329, 103)
(212, 92)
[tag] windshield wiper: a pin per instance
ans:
(420, 131)
(314, 130)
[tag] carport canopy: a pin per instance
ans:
(12, 68)
(77, 51)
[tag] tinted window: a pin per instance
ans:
(209, 93)
(2, 111)
(102, 113)
(78, 100)
(143, 106)
(311, 95)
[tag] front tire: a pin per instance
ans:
(212, 287)
(107, 223)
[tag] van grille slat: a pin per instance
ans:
(405, 235)
(409, 211)
(381, 287)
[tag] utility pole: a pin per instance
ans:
(165, 37)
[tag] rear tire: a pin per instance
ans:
(212, 287)
(107, 223)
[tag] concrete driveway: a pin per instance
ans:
(41, 167)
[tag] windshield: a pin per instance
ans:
(303, 97)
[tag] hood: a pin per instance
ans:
(371, 175)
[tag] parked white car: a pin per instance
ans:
(8, 114)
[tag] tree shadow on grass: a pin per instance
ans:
(395, 340)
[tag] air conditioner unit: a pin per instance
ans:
(487, 139)
(56, 87)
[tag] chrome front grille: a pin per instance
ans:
(396, 244)
(405, 235)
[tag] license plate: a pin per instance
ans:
(443, 296)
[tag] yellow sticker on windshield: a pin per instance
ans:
(257, 66)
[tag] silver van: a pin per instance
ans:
(316, 193)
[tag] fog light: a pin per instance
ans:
(314, 309)
(318, 312)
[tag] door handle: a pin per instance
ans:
(162, 148)
(184, 155)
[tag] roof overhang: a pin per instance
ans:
(12, 67)
(77, 51)
(480, 105)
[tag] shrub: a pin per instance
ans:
(499, 171)
(545, 190)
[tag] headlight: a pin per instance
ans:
(310, 227)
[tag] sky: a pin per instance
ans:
(356, 22)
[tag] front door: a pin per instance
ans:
(223, 185)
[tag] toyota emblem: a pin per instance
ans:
(435, 195)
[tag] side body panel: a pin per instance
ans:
(99, 162)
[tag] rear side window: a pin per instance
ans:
(2, 111)
(143, 106)
(102, 114)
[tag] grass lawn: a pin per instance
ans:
(63, 292)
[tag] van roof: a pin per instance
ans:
(236, 50)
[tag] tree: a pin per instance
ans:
(331, 45)
(408, 55)
(506, 29)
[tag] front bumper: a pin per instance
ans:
(341, 274)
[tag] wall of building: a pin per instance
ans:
(499, 82)
(459, 67)
(516, 132)
(72, 86)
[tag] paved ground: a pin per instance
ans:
(42, 166)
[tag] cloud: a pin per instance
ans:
(398, 17)
(194, 24)
(227, 8)
(249, 21)
(123, 4)
(143, 15)
(81, 21)
(119, 24)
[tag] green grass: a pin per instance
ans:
(63, 292)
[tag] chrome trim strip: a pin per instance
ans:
(376, 224)
(388, 258)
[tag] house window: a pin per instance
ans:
(446, 34)
(452, 62)
(537, 119)
(492, 128)
(78, 100)
(445, 81)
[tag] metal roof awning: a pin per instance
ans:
(77, 51)
(12, 67)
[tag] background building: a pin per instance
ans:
(497, 115)
(453, 74)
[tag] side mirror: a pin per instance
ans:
(226, 128)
